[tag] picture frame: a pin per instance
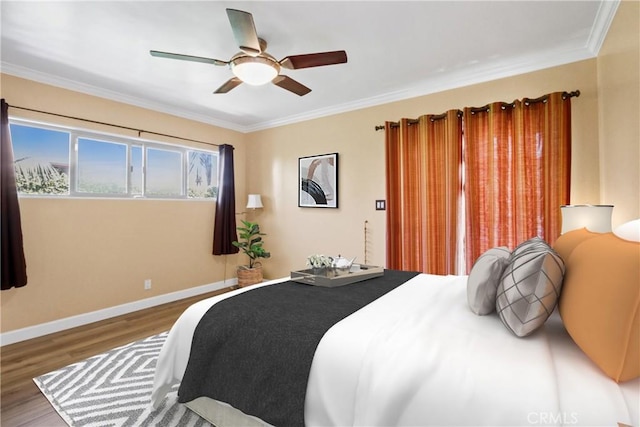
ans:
(318, 181)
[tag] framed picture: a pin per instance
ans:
(318, 181)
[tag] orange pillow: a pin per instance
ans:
(566, 243)
(600, 303)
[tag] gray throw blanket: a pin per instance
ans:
(254, 351)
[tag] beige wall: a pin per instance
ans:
(84, 255)
(297, 232)
(89, 254)
(619, 113)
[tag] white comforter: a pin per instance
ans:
(418, 356)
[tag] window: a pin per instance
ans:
(164, 172)
(136, 182)
(102, 167)
(51, 160)
(41, 158)
(203, 173)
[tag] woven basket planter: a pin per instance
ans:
(249, 276)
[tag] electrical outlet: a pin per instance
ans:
(147, 284)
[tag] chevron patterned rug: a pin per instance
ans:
(114, 389)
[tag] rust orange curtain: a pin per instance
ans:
(424, 186)
(517, 169)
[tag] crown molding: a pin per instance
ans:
(445, 81)
(63, 83)
(602, 22)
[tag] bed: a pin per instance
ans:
(419, 356)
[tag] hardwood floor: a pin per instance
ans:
(22, 403)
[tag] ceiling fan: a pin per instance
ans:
(253, 65)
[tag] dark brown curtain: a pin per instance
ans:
(424, 186)
(224, 228)
(518, 170)
(14, 268)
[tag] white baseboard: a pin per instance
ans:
(42, 329)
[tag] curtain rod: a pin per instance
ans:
(527, 101)
(140, 131)
(414, 121)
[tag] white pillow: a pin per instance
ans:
(483, 280)
(629, 231)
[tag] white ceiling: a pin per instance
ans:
(396, 50)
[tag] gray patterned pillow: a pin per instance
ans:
(484, 277)
(530, 287)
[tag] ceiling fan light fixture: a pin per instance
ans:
(255, 70)
(253, 65)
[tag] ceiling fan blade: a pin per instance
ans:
(291, 85)
(187, 58)
(244, 30)
(228, 85)
(295, 62)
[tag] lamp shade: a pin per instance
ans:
(595, 218)
(255, 71)
(254, 202)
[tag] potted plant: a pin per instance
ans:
(250, 242)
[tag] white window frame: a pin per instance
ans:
(75, 134)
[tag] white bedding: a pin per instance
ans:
(419, 356)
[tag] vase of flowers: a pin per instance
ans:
(319, 263)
